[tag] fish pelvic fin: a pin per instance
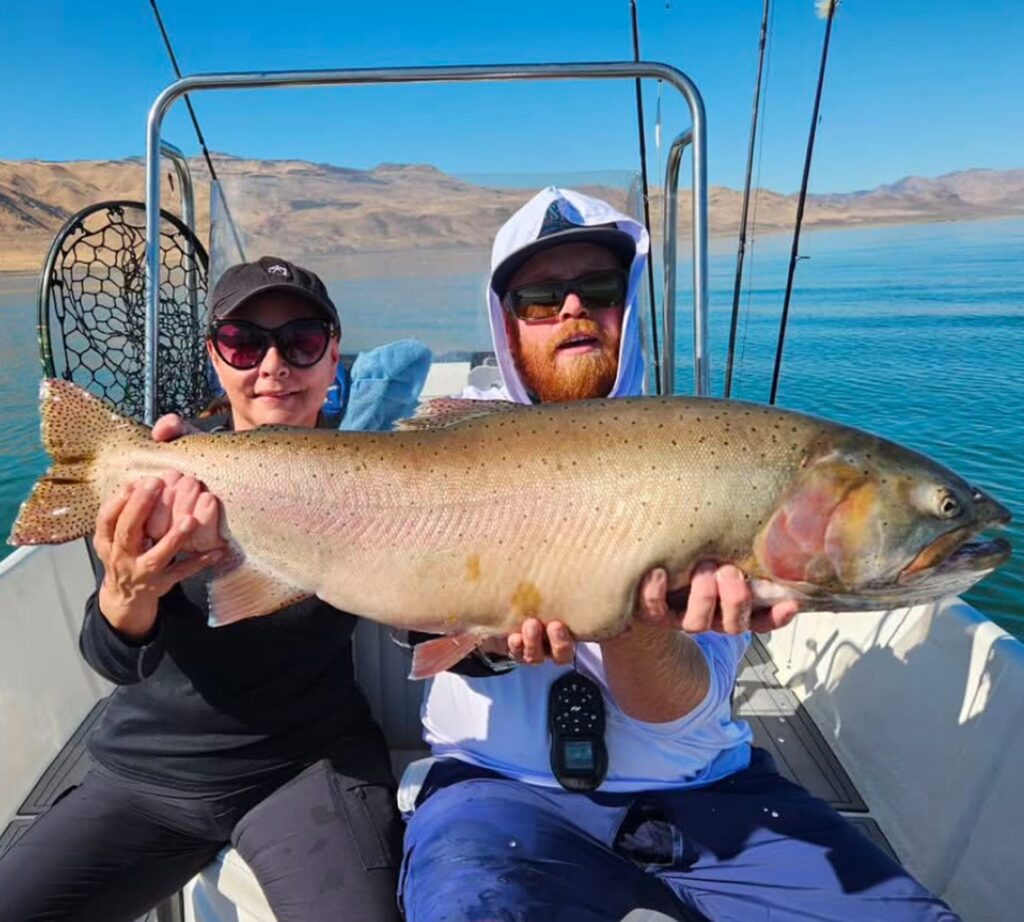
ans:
(242, 589)
(76, 428)
(445, 412)
(434, 656)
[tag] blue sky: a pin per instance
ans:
(913, 87)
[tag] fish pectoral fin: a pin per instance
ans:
(244, 589)
(766, 592)
(434, 656)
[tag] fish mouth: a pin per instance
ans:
(934, 577)
(956, 553)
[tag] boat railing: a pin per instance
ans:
(186, 188)
(696, 137)
(701, 362)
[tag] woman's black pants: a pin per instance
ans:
(323, 846)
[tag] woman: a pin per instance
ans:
(254, 733)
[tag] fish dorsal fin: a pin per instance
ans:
(444, 412)
(243, 588)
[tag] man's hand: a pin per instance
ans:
(536, 641)
(718, 598)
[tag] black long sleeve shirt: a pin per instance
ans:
(214, 708)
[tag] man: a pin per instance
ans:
(681, 815)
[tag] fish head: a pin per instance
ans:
(867, 523)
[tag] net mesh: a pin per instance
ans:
(92, 310)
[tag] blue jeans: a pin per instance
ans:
(751, 848)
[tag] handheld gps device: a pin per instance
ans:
(579, 758)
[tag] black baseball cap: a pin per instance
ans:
(245, 281)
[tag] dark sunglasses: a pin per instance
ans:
(243, 345)
(544, 300)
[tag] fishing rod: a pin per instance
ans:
(830, 7)
(741, 248)
(646, 196)
(199, 131)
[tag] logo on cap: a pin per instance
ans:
(278, 270)
(554, 221)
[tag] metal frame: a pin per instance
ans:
(185, 187)
(188, 215)
(459, 74)
(701, 363)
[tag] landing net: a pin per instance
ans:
(92, 310)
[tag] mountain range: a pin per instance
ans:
(313, 211)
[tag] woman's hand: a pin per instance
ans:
(139, 571)
(170, 426)
(184, 495)
(718, 598)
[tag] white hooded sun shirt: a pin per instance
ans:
(522, 229)
(500, 723)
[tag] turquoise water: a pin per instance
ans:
(914, 332)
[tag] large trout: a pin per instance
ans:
(484, 514)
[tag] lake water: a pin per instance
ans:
(913, 332)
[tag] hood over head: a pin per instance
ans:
(552, 217)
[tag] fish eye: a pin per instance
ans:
(947, 506)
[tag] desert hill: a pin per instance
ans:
(311, 210)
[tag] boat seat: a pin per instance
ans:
(485, 376)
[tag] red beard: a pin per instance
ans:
(552, 377)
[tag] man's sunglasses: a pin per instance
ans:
(243, 345)
(544, 300)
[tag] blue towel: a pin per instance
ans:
(384, 385)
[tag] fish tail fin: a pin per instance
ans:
(76, 427)
(434, 656)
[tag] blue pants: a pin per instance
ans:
(751, 848)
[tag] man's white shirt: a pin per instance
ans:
(500, 723)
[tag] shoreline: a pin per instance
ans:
(11, 274)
